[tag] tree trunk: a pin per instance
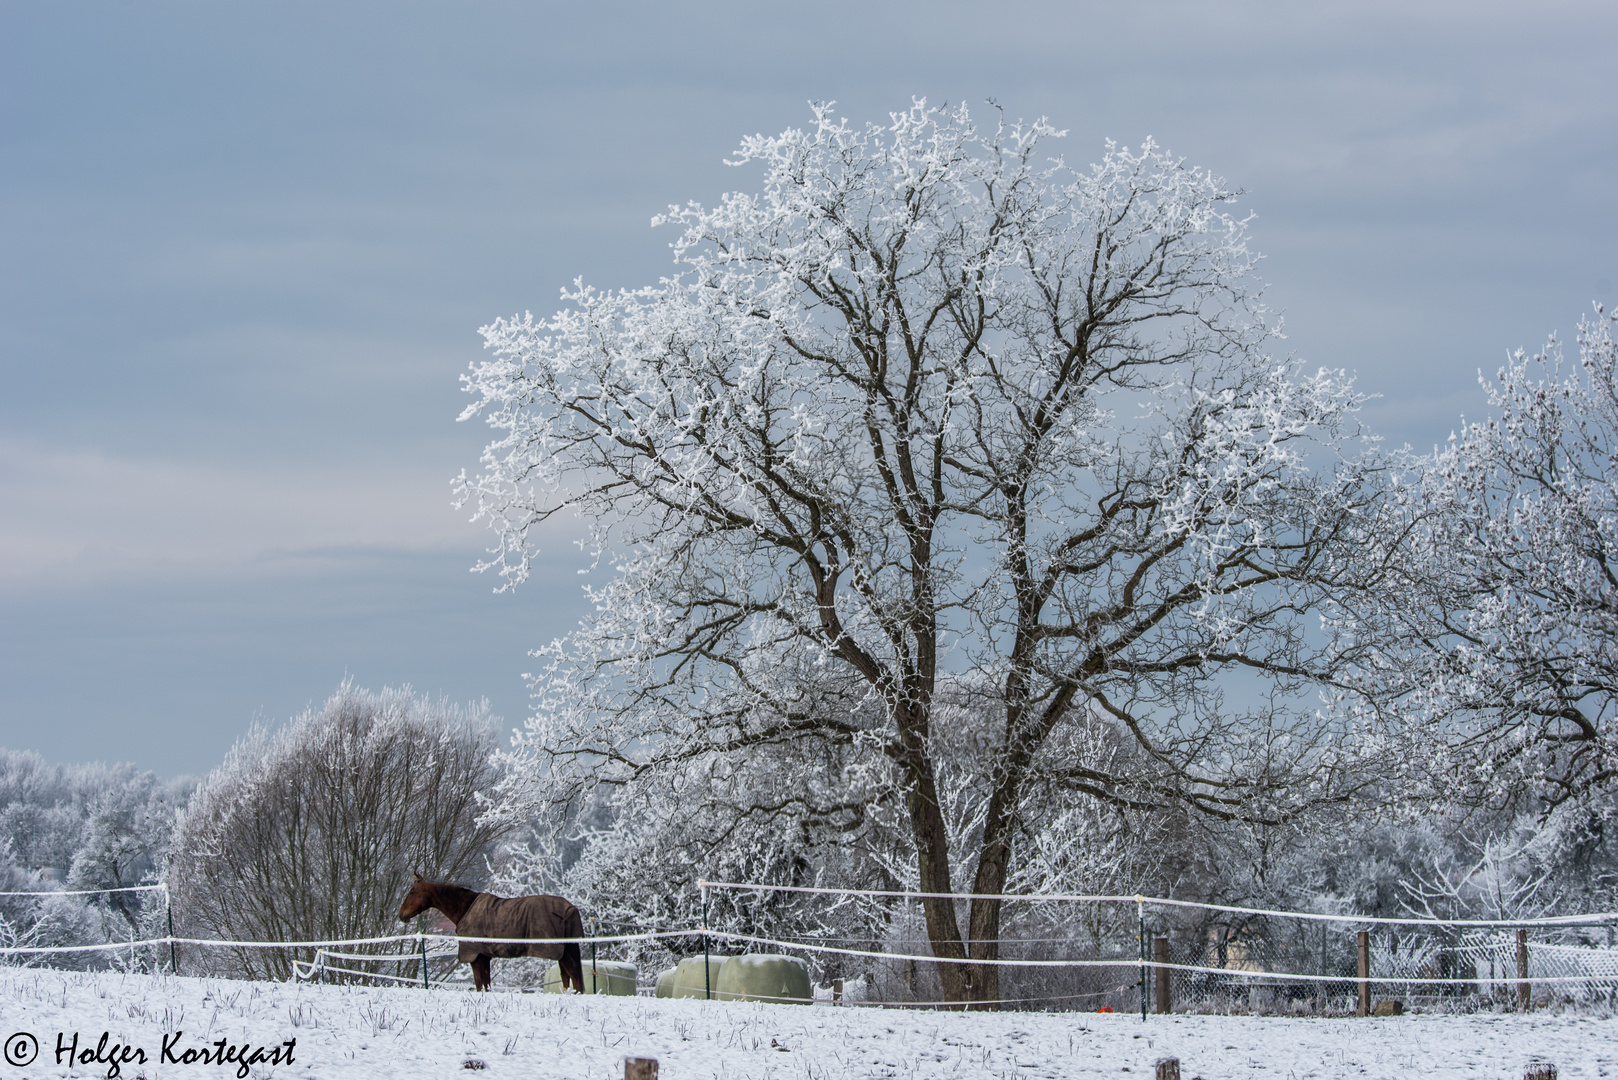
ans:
(972, 986)
(932, 853)
(994, 859)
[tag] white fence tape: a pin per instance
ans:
(1556, 920)
(89, 892)
(338, 942)
(1134, 962)
(451, 943)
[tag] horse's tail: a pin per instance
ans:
(572, 962)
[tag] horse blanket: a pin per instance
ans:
(493, 916)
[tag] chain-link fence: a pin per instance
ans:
(1276, 963)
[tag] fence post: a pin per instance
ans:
(168, 909)
(421, 939)
(1160, 953)
(1140, 938)
(1525, 995)
(1168, 1068)
(1320, 987)
(640, 1069)
(1539, 1070)
(707, 977)
(1365, 972)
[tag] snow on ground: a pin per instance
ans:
(357, 1033)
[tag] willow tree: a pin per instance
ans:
(932, 406)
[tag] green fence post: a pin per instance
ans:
(168, 910)
(1140, 938)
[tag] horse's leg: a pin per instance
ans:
(572, 965)
(480, 972)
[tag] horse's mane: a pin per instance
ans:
(452, 900)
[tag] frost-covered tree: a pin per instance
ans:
(87, 827)
(312, 832)
(125, 843)
(46, 811)
(932, 401)
(1499, 651)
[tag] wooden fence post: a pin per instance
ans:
(1168, 1068)
(1365, 972)
(1525, 995)
(1539, 1070)
(1160, 953)
(640, 1069)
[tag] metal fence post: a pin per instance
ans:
(168, 910)
(707, 978)
(1140, 938)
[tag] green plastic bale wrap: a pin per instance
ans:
(665, 984)
(685, 980)
(764, 977)
(610, 977)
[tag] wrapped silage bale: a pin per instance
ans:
(686, 979)
(608, 977)
(764, 977)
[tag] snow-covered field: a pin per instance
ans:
(353, 1033)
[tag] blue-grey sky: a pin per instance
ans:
(245, 249)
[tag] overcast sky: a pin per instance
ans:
(245, 250)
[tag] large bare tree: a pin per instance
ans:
(934, 404)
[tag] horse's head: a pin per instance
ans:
(417, 900)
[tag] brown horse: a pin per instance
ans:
(484, 915)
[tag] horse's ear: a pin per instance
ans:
(418, 875)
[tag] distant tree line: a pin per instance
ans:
(76, 828)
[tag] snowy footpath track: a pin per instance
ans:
(182, 1026)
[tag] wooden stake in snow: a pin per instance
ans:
(1525, 995)
(640, 1069)
(1539, 1070)
(1168, 1068)
(1365, 972)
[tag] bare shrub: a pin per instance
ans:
(312, 832)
